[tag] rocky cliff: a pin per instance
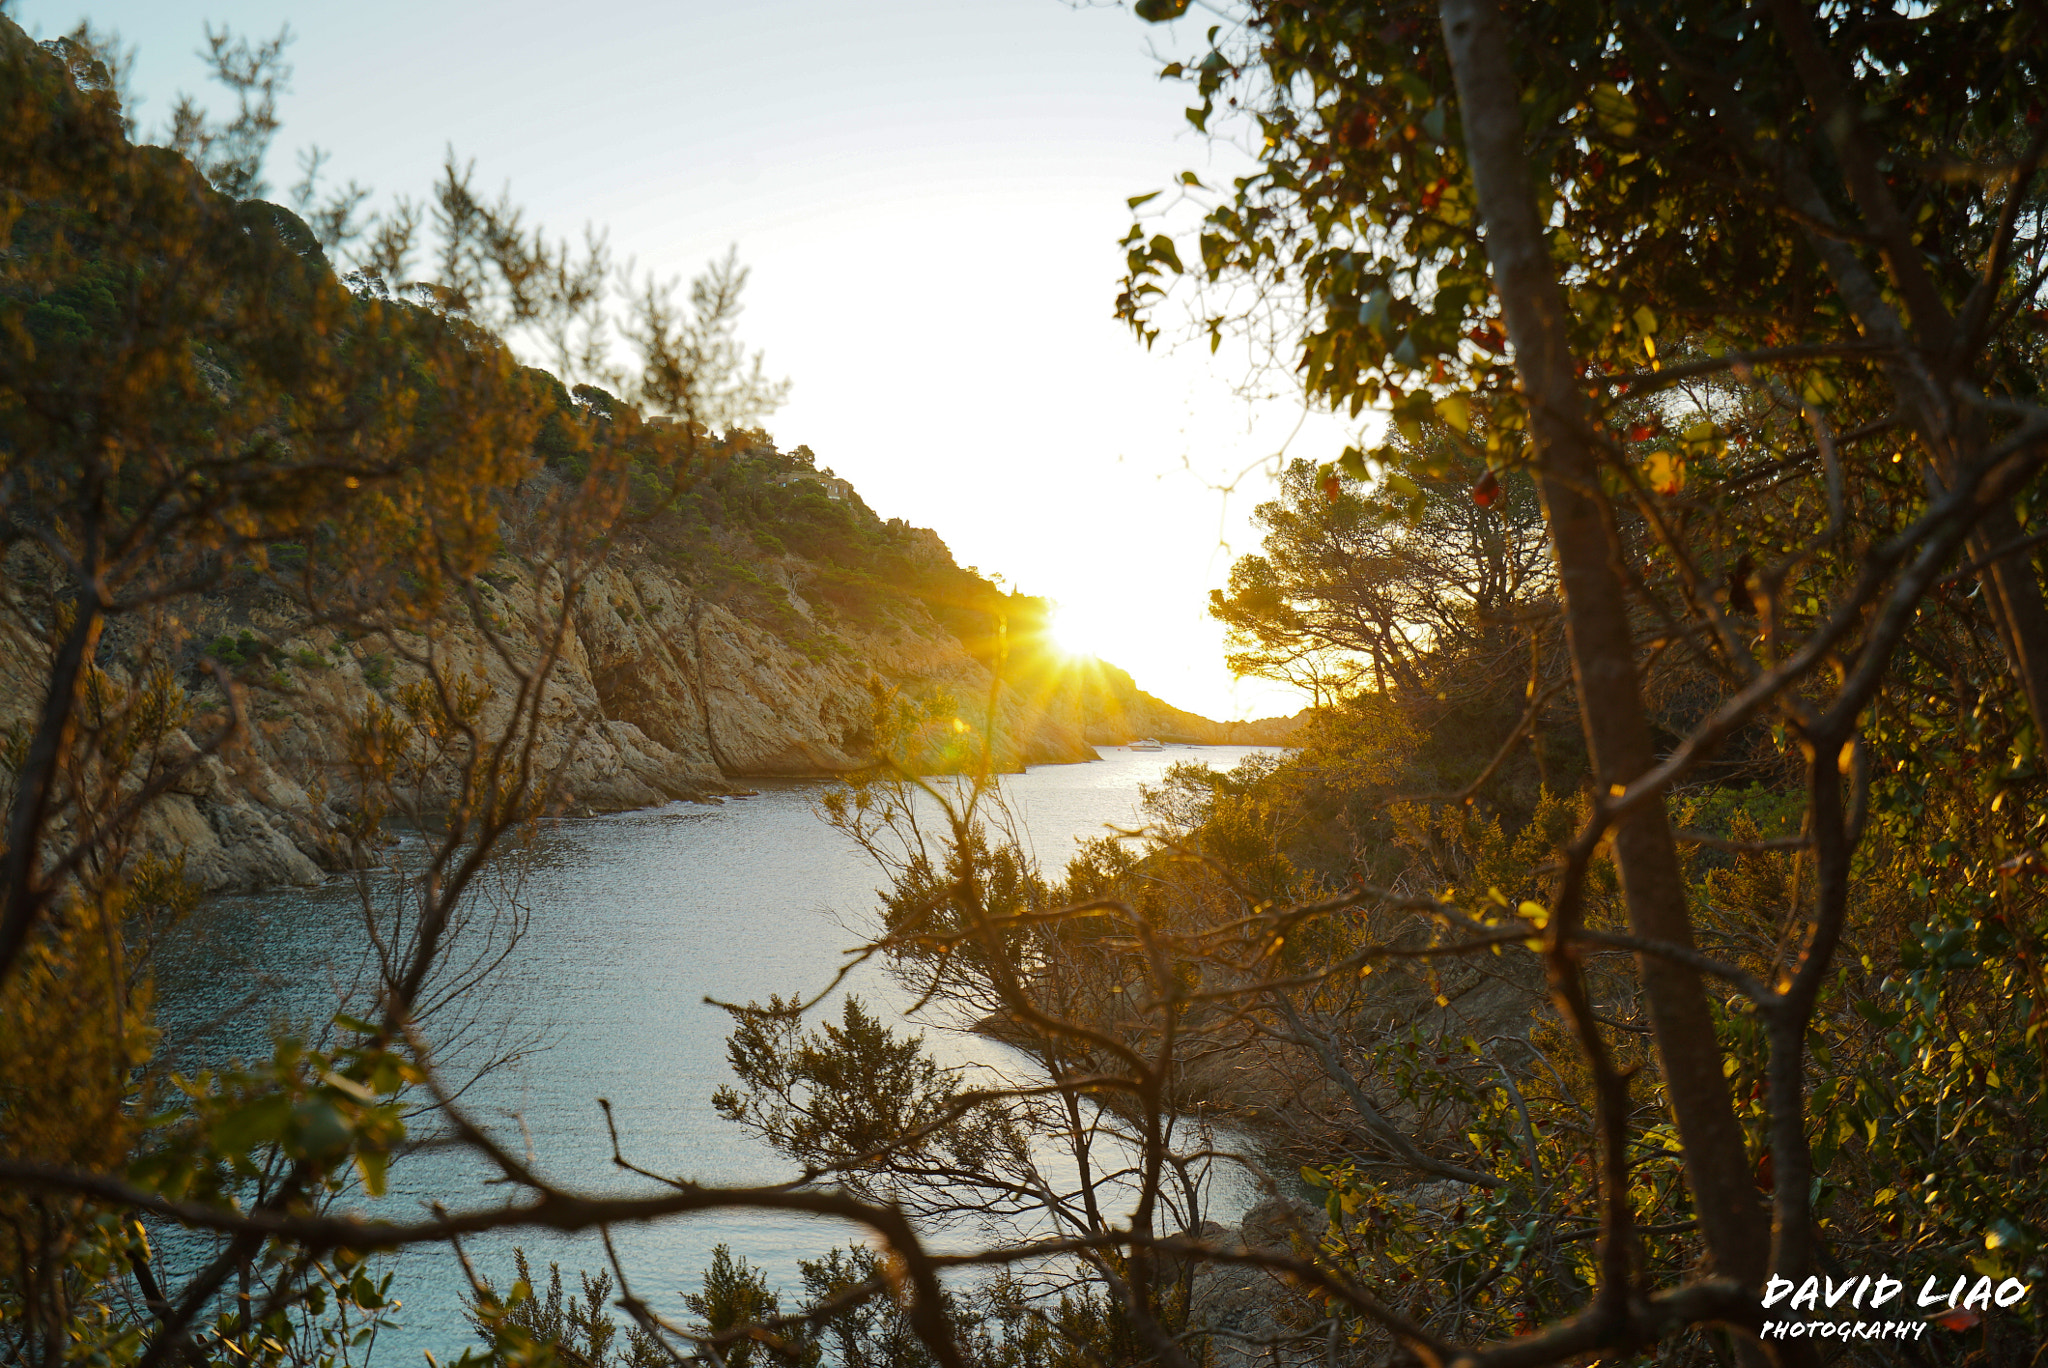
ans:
(694, 657)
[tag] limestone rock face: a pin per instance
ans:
(655, 693)
(771, 711)
(230, 840)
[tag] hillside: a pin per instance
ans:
(334, 528)
(761, 626)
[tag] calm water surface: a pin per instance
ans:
(634, 920)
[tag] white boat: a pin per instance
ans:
(1148, 743)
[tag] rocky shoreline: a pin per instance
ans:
(661, 692)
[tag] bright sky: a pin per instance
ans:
(929, 194)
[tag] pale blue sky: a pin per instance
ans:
(929, 194)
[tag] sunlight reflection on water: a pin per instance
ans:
(636, 919)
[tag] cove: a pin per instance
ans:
(630, 922)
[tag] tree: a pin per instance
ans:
(875, 1111)
(191, 399)
(185, 387)
(523, 1324)
(1374, 573)
(1538, 227)
(734, 1297)
(962, 930)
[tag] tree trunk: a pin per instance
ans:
(1602, 648)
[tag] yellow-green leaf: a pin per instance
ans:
(1615, 111)
(1665, 471)
(371, 1164)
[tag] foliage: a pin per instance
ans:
(77, 1023)
(526, 1328)
(851, 1314)
(1373, 572)
(191, 400)
(1746, 294)
(853, 1097)
(734, 1297)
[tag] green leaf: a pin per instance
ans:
(388, 1073)
(1818, 389)
(1455, 410)
(1614, 110)
(320, 1129)
(1162, 249)
(366, 1294)
(1159, 11)
(1372, 310)
(255, 1123)
(1136, 200)
(371, 1164)
(347, 1086)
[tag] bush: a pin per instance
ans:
(236, 651)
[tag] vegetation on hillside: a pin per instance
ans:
(1752, 295)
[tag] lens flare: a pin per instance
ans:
(1084, 633)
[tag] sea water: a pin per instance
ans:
(629, 926)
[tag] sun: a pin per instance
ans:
(1083, 633)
